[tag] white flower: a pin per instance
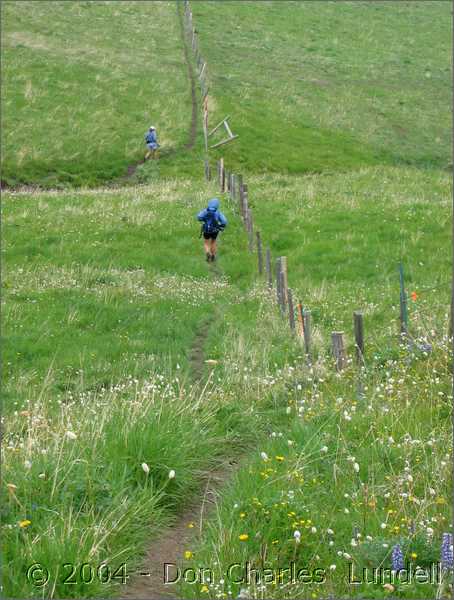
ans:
(71, 435)
(290, 442)
(330, 532)
(288, 410)
(146, 468)
(313, 529)
(369, 538)
(346, 511)
(27, 464)
(432, 492)
(383, 525)
(346, 555)
(42, 475)
(332, 567)
(324, 449)
(356, 467)
(331, 543)
(297, 536)
(263, 455)
(171, 474)
(353, 542)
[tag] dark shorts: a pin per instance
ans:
(210, 236)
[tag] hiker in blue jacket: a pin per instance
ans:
(151, 142)
(213, 222)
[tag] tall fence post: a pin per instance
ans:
(278, 280)
(300, 316)
(359, 336)
(207, 170)
(403, 303)
(222, 175)
(307, 332)
(259, 252)
(291, 310)
(284, 273)
(283, 290)
(338, 348)
(269, 273)
(250, 230)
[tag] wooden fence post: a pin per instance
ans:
(259, 252)
(227, 178)
(284, 272)
(300, 316)
(222, 175)
(291, 310)
(338, 348)
(283, 290)
(278, 280)
(403, 303)
(250, 230)
(207, 170)
(244, 205)
(307, 332)
(269, 273)
(359, 336)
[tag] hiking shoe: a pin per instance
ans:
(213, 257)
(208, 257)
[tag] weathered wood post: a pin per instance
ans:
(278, 280)
(338, 348)
(269, 273)
(250, 230)
(207, 170)
(359, 336)
(244, 206)
(300, 316)
(284, 272)
(227, 178)
(259, 252)
(283, 291)
(403, 303)
(291, 310)
(222, 175)
(307, 332)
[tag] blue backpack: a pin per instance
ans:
(211, 223)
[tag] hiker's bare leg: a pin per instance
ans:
(147, 155)
(207, 245)
(213, 247)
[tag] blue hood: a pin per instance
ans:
(213, 204)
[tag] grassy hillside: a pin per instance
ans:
(81, 84)
(322, 86)
(133, 369)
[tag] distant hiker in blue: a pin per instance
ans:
(151, 142)
(213, 222)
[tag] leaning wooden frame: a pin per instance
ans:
(230, 137)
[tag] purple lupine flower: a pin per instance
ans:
(447, 555)
(397, 558)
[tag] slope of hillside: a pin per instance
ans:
(82, 82)
(321, 86)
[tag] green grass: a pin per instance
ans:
(81, 84)
(322, 86)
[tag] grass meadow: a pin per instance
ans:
(112, 416)
(79, 91)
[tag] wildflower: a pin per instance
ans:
(297, 536)
(414, 296)
(383, 525)
(332, 567)
(42, 475)
(188, 554)
(263, 455)
(190, 525)
(356, 467)
(324, 449)
(388, 587)
(204, 589)
(313, 529)
(171, 474)
(243, 537)
(71, 435)
(353, 542)
(279, 458)
(146, 468)
(242, 515)
(24, 523)
(330, 532)
(447, 555)
(397, 558)
(413, 555)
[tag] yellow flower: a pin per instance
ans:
(274, 542)
(414, 555)
(243, 537)
(188, 554)
(440, 500)
(280, 458)
(242, 515)
(24, 523)
(204, 589)
(190, 525)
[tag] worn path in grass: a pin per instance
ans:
(175, 540)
